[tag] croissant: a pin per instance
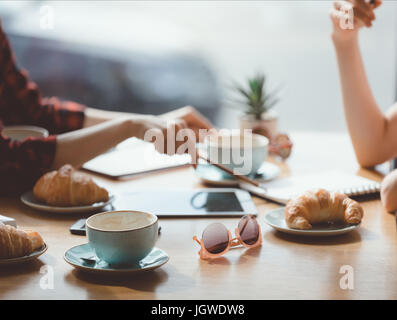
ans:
(67, 187)
(321, 206)
(16, 243)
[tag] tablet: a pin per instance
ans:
(134, 157)
(224, 202)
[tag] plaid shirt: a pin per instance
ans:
(23, 162)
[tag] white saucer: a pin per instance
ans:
(32, 256)
(29, 199)
(214, 176)
(275, 219)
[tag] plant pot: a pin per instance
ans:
(266, 126)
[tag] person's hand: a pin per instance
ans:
(194, 120)
(166, 134)
(388, 191)
(162, 132)
(349, 16)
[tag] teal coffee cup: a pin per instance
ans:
(122, 237)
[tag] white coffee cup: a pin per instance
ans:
(19, 133)
(242, 152)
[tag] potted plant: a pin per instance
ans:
(258, 104)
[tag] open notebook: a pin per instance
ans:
(281, 190)
(133, 157)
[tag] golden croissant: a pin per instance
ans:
(16, 243)
(321, 206)
(67, 187)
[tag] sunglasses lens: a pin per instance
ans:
(249, 230)
(216, 238)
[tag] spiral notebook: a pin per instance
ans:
(281, 190)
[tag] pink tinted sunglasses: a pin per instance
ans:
(217, 240)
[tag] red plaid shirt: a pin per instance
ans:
(23, 162)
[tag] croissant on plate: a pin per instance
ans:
(321, 206)
(16, 243)
(68, 187)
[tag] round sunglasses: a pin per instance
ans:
(217, 239)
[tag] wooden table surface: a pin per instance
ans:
(284, 267)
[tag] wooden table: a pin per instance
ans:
(285, 267)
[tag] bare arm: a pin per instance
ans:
(193, 119)
(373, 134)
(105, 129)
(77, 147)
(95, 116)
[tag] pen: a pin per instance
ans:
(229, 171)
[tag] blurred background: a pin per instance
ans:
(154, 56)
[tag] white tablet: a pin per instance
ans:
(188, 203)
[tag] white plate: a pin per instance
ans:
(32, 256)
(275, 219)
(29, 199)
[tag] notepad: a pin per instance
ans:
(133, 157)
(281, 190)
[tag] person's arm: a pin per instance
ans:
(193, 119)
(23, 162)
(79, 146)
(95, 116)
(373, 134)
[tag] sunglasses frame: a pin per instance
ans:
(232, 242)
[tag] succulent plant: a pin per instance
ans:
(256, 100)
